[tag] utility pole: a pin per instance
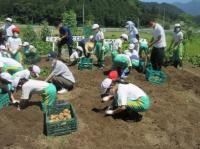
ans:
(138, 23)
(83, 13)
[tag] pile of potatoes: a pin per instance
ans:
(65, 115)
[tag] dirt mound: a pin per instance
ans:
(172, 122)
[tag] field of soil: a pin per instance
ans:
(173, 122)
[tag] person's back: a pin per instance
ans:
(22, 74)
(61, 69)
(10, 62)
(159, 31)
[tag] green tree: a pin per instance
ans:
(45, 31)
(29, 34)
(69, 19)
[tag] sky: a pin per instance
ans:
(167, 1)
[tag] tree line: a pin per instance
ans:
(109, 13)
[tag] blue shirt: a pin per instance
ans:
(63, 30)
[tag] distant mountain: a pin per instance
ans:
(192, 8)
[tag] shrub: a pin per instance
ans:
(29, 34)
(42, 47)
(45, 31)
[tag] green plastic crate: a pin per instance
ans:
(61, 127)
(155, 77)
(4, 100)
(85, 63)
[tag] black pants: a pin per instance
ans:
(61, 82)
(61, 43)
(157, 57)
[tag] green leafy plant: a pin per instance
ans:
(45, 31)
(42, 47)
(29, 34)
(69, 19)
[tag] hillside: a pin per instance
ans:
(109, 13)
(192, 8)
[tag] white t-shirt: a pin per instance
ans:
(14, 44)
(178, 36)
(127, 92)
(132, 54)
(133, 33)
(33, 86)
(117, 44)
(8, 30)
(24, 74)
(74, 56)
(99, 36)
(10, 62)
(159, 31)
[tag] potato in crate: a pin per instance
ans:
(60, 119)
(85, 63)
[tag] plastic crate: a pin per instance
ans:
(155, 77)
(61, 127)
(4, 100)
(85, 63)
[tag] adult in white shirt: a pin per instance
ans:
(128, 96)
(158, 42)
(8, 27)
(177, 46)
(29, 87)
(132, 30)
(11, 65)
(99, 41)
(32, 71)
(15, 44)
(117, 45)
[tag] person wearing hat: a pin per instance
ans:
(31, 72)
(60, 75)
(15, 45)
(4, 52)
(177, 46)
(29, 87)
(76, 55)
(99, 45)
(10, 65)
(117, 45)
(65, 38)
(87, 45)
(122, 63)
(127, 97)
(133, 54)
(8, 27)
(133, 31)
(6, 84)
(158, 42)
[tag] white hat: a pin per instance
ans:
(2, 47)
(95, 26)
(1, 64)
(6, 76)
(36, 70)
(15, 82)
(106, 83)
(128, 23)
(9, 19)
(131, 46)
(91, 37)
(26, 44)
(79, 48)
(177, 25)
(124, 36)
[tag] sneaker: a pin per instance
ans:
(62, 91)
